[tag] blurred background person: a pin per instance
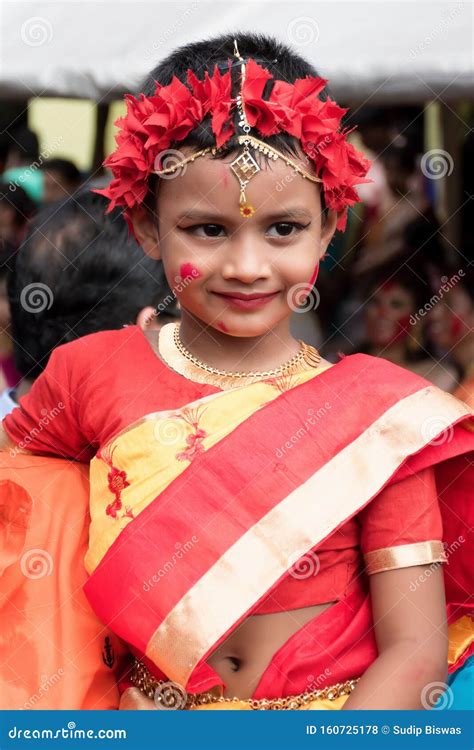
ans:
(61, 178)
(16, 209)
(393, 330)
(77, 273)
(9, 376)
(22, 159)
(450, 326)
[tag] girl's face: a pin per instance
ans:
(213, 256)
(388, 315)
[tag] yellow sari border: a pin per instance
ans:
(252, 565)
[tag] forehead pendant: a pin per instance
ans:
(244, 166)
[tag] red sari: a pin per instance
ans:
(200, 511)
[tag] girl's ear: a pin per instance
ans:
(146, 231)
(327, 231)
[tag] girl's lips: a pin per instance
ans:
(247, 304)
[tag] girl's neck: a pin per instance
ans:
(238, 353)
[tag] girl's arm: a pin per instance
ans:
(402, 529)
(409, 613)
(50, 419)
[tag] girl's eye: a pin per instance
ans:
(212, 230)
(208, 227)
(288, 226)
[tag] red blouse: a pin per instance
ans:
(99, 384)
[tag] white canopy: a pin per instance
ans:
(371, 52)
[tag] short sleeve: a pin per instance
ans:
(403, 525)
(46, 421)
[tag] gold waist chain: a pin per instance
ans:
(169, 694)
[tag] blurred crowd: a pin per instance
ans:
(390, 286)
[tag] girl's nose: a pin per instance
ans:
(245, 262)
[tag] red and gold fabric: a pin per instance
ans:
(209, 505)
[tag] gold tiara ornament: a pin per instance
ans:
(244, 167)
(157, 123)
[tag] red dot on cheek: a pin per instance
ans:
(223, 327)
(189, 271)
(315, 275)
(456, 327)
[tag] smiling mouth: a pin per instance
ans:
(238, 299)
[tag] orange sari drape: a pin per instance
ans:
(54, 651)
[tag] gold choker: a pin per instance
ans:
(173, 352)
(307, 354)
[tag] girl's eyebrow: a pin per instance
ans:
(294, 212)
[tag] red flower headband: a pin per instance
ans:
(153, 123)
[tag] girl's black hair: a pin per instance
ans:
(276, 57)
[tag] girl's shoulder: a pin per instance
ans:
(370, 375)
(103, 345)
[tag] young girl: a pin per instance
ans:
(261, 519)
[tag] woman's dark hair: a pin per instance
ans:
(76, 273)
(66, 168)
(276, 57)
(19, 201)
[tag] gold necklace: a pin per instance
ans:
(173, 357)
(306, 355)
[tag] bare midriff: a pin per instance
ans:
(243, 657)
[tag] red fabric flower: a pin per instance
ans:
(215, 96)
(153, 123)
